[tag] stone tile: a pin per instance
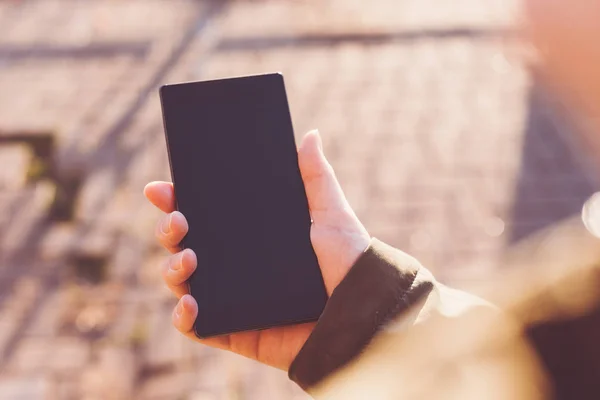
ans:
(57, 242)
(17, 304)
(35, 355)
(45, 321)
(25, 208)
(173, 384)
(113, 376)
(165, 346)
(25, 387)
(15, 160)
(66, 387)
(69, 354)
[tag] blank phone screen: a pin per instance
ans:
(235, 170)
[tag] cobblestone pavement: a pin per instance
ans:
(444, 144)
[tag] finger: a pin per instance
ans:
(184, 317)
(161, 194)
(184, 314)
(322, 188)
(178, 269)
(171, 230)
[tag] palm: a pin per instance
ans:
(276, 347)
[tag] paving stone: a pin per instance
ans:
(25, 388)
(36, 355)
(15, 162)
(57, 242)
(16, 306)
(169, 385)
(113, 376)
(69, 354)
(31, 355)
(66, 387)
(46, 318)
(165, 346)
(25, 209)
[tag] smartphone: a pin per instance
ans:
(234, 166)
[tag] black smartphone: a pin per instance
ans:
(234, 166)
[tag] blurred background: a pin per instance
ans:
(445, 141)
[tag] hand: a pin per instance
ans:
(337, 236)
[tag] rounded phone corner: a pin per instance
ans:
(162, 88)
(278, 75)
(198, 334)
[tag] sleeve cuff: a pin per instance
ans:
(380, 286)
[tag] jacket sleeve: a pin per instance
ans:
(383, 285)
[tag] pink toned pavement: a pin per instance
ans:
(445, 145)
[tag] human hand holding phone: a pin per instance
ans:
(336, 234)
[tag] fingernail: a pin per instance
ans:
(184, 305)
(166, 191)
(165, 227)
(319, 140)
(179, 309)
(177, 266)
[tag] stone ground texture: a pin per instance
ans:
(445, 145)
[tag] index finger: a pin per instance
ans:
(162, 195)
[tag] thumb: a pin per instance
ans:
(322, 188)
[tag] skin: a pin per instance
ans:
(337, 236)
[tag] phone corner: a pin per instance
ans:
(199, 334)
(277, 75)
(162, 88)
